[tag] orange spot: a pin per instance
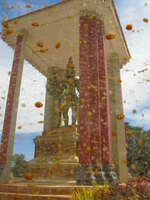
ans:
(129, 27)
(89, 114)
(38, 104)
(70, 65)
(120, 116)
(145, 20)
(57, 167)
(40, 44)
(17, 197)
(140, 142)
(125, 161)
(84, 145)
(9, 31)
(69, 81)
(35, 24)
(110, 36)
(28, 176)
(28, 6)
(43, 50)
(15, 22)
(91, 17)
(69, 17)
(61, 107)
(134, 111)
(133, 166)
(5, 24)
(88, 150)
(19, 127)
(114, 133)
(119, 81)
(58, 45)
(73, 126)
(9, 73)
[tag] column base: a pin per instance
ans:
(4, 174)
(99, 175)
(110, 174)
(1, 169)
(84, 176)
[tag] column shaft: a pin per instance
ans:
(94, 94)
(117, 126)
(51, 112)
(104, 98)
(8, 133)
(84, 118)
(94, 113)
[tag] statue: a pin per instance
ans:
(65, 93)
(69, 96)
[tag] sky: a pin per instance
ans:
(135, 84)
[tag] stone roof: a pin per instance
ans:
(59, 24)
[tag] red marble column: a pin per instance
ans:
(104, 97)
(94, 94)
(11, 101)
(94, 114)
(84, 118)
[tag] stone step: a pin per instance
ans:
(22, 196)
(36, 189)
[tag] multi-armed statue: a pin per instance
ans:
(67, 93)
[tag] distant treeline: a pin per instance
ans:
(138, 150)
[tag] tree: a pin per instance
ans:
(138, 151)
(18, 165)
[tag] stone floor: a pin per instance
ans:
(33, 191)
(36, 191)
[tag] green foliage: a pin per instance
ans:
(138, 155)
(108, 192)
(92, 193)
(18, 165)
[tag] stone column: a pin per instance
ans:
(94, 109)
(52, 113)
(8, 133)
(117, 126)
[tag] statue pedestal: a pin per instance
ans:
(55, 155)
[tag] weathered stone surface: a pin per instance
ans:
(55, 155)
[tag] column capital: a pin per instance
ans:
(91, 13)
(23, 32)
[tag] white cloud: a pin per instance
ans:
(32, 90)
(135, 83)
(135, 86)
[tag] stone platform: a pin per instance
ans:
(55, 155)
(32, 191)
(24, 191)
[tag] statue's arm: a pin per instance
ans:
(77, 84)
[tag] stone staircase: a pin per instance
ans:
(32, 191)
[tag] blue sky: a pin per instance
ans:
(135, 85)
(14, 8)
